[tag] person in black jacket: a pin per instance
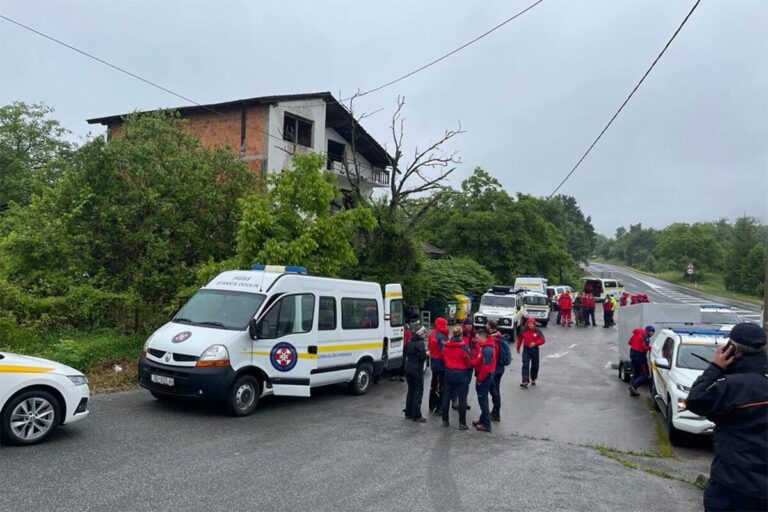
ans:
(733, 394)
(415, 355)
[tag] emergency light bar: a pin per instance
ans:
(714, 306)
(702, 332)
(280, 269)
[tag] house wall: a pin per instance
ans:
(279, 152)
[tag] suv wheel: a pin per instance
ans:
(30, 417)
(675, 435)
(623, 375)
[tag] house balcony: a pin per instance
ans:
(369, 175)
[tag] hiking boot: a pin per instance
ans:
(533, 382)
(633, 391)
(446, 424)
(476, 423)
(523, 385)
(481, 428)
(463, 427)
(495, 418)
(420, 420)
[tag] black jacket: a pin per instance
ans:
(736, 400)
(415, 355)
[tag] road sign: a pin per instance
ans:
(689, 270)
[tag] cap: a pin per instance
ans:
(748, 334)
(650, 328)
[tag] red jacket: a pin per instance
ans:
(484, 365)
(436, 342)
(639, 341)
(565, 301)
(530, 338)
(456, 355)
(588, 301)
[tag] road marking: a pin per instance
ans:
(557, 355)
(573, 345)
(607, 365)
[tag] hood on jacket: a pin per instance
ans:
(639, 331)
(441, 324)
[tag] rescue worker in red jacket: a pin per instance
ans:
(565, 304)
(639, 344)
(588, 309)
(485, 366)
(437, 339)
(457, 360)
(624, 299)
(493, 333)
(530, 338)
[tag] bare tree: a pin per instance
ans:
(424, 173)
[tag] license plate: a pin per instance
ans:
(160, 379)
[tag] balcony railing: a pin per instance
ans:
(373, 175)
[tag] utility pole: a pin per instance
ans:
(765, 299)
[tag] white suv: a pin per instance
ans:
(504, 305)
(677, 358)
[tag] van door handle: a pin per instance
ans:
(312, 349)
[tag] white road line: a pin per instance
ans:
(557, 355)
(573, 345)
(607, 365)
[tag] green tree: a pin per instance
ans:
(447, 277)
(752, 271)
(746, 234)
(682, 243)
(135, 214)
(291, 223)
(30, 145)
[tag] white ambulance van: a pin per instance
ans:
(274, 331)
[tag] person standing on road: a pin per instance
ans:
(415, 356)
(400, 372)
(493, 333)
(531, 338)
(577, 309)
(437, 339)
(457, 360)
(639, 344)
(565, 304)
(614, 308)
(607, 312)
(588, 308)
(485, 366)
(733, 394)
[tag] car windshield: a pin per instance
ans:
(496, 301)
(687, 356)
(220, 308)
(535, 300)
(720, 317)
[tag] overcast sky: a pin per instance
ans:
(691, 145)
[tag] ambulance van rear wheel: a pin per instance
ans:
(243, 396)
(362, 380)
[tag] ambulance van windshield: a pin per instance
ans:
(220, 308)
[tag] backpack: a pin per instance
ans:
(505, 353)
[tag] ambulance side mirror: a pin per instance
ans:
(253, 329)
(662, 362)
(386, 317)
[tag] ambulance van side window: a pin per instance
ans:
(292, 314)
(396, 313)
(327, 314)
(359, 314)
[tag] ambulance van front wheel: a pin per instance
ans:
(362, 380)
(243, 396)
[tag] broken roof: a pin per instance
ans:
(337, 117)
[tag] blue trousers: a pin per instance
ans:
(456, 382)
(530, 363)
(639, 368)
(483, 388)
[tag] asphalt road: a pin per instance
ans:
(338, 452)
(663, 291)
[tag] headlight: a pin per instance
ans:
(684, 389)
(146, 346)
(215, 355)
(681, 405)
(78, 380)
(507, 321)
(479, 319)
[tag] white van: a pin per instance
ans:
(532, 284)
(274, 331)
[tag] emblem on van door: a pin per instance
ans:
(182, 336)
(283, 357)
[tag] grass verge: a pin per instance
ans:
(108, 358)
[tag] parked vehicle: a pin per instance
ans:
(601, 288)
(37, 396)
(719, 314)
(657, 314)
(531, 283)
(677, 358)
(554, 292)
(274, 330)
(537, 306)
(503, 304)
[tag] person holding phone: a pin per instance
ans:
(733, 394)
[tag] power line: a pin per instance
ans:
(648, 71)
(432, 63)
(90, 56)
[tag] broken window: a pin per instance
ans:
(297, 130)
(335, 153)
